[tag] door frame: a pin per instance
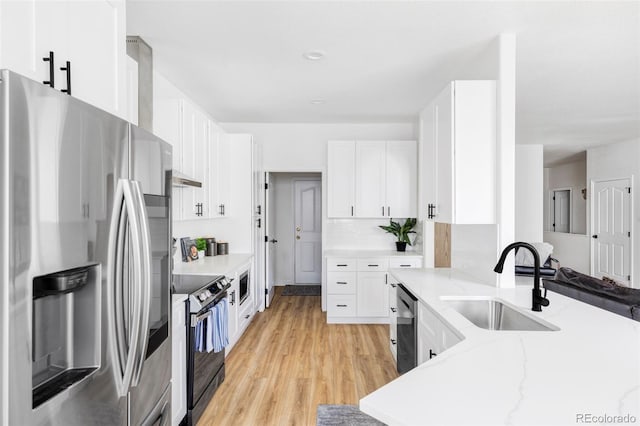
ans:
(592, 185)
(323, 201)
(552, 212)
(293, 200)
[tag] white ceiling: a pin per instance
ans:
(578, 63)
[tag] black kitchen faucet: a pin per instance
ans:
(537, 301)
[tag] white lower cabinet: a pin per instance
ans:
(358, 287)
(372, 294)
(341, 305)
(434, 335)
(178, 362)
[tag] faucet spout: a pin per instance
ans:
(537, 300)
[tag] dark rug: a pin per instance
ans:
(302, 290)
(343, 415)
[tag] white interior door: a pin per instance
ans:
(611, 243)
(270, 241)
(308, 231)
(562, 210)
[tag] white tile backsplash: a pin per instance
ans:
(364, 234)
(474, 248)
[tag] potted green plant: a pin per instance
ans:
(201, 244)
(401, 231)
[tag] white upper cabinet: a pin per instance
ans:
(221, 172)
(341, 178)
(372, 179)
(401, 179)
(195, 155)
(458, 135)
(91, 35)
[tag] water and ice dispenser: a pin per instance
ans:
(66, 330)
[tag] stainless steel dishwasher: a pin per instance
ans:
(407, 328)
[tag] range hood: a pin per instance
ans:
(180, 179)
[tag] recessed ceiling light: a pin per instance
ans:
(317, 101)
(314, 55)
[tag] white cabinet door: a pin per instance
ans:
(372, 294)
(401, 179)
(18, 49)
(97, 52)
(443, 110)
(474, 153)
(341, 178)
(370, 179)
(178, 363)
(194, 157)
(223, 163)
(464, 116)
(428, 162)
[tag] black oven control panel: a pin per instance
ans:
(205, 296)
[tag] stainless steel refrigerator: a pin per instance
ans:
(84, 261)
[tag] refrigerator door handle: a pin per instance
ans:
(145, 300)
(123, 212)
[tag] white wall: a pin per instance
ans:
(529, 193)
(620, 160)
(571, 175)
(571, 250)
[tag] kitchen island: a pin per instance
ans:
(587, 371)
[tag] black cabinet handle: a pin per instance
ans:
(388, 211)
(247, 316)
(431, 211)
(393, 285)
(233, 298)
(405, 266)
(342, 264)
(259, 222)
(223, 211)
(341, 282)
(373, 266)
(382, 210)
(351, 210)
(51, 81)
(341, 306)
(432, 354)
(68, 71)
(393, 341)
(393, 310)
(594, 236)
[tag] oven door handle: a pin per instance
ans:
(145, 284)
(196, 319)
(123, 350)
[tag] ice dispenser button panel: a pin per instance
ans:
(66, 330)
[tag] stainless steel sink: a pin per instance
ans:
(492, 314)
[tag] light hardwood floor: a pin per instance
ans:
(290, 360)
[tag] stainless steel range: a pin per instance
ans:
(204, 293)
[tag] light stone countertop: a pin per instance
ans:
(591, 366)
(212, 265)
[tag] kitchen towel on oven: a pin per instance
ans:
(218, 335)
(203, 328)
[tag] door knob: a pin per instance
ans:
(594, 236)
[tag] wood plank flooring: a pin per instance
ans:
(290, 360)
